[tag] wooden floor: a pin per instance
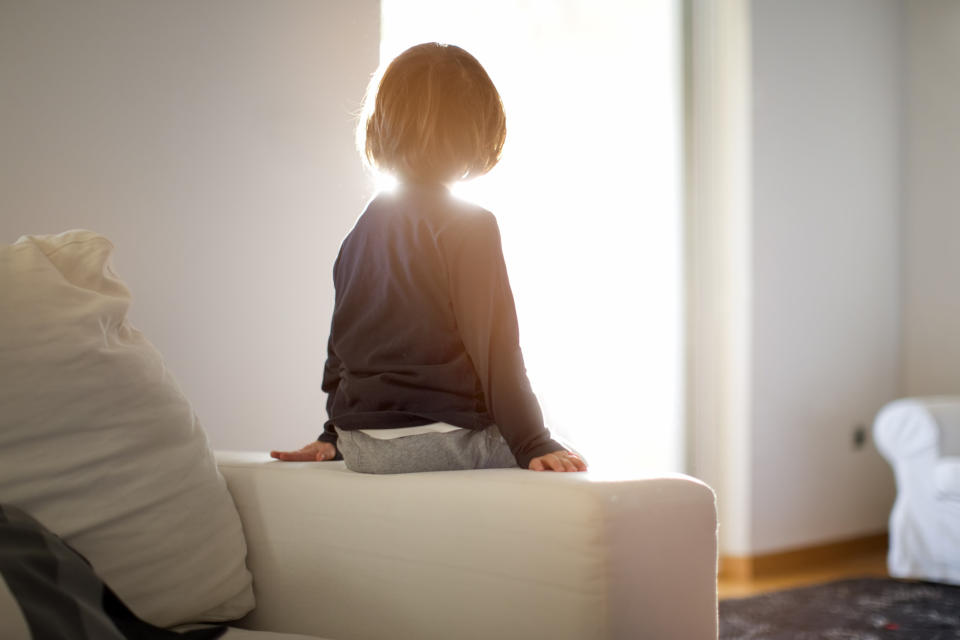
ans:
(872, 563)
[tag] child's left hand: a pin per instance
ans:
(316, 451)
(558, 461)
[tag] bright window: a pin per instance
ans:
(588, 199)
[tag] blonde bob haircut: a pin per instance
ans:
(432, 116)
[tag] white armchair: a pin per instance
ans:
(920, 437)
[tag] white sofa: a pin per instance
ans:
(500, 553)
(920, 437)
(102, 455)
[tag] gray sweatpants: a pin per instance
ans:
(451, 451)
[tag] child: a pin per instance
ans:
(424, 370)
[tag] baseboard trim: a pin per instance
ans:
(771, 564)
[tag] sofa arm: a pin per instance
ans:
(912, 427)
(501, 553)
(946, 476)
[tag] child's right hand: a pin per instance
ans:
(316, 451)
(558, 461)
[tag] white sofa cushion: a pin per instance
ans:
(100, 445)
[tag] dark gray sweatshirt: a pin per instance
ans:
(424, 325)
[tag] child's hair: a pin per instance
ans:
(433, 116)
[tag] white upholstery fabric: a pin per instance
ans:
(947, 479)
(501, 553)
(914, 435)
(99, 444)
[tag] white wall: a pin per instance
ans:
(825, 311)
(931, 229)
(212, 142)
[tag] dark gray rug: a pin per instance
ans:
(861, 609)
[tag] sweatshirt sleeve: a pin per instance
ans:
(330, 384)
(487, 320)
(331, 381)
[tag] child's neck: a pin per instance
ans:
(418, 185)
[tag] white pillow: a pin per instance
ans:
(100, 445)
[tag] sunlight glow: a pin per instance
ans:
(384, 181)
(588, 200)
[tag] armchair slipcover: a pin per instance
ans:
(920, 437)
